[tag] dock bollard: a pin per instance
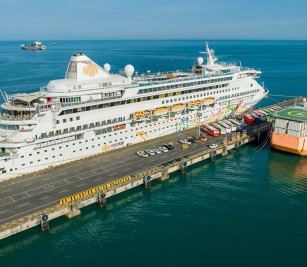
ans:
(44, 222)
(184, 167)
(102, 199)
(147, 181)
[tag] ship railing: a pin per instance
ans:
(4, 117)
(14, 105)
(90, 101)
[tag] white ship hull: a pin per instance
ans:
(92, 144)
(92, 112)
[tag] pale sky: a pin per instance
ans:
(157, 19)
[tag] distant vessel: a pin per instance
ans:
(290, 130)
(55, 44)
(35, 46)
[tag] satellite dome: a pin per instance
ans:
(107, 67)
(200, 61)
(129, 69)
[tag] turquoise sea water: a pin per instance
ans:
(246, 209)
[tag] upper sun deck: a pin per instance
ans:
(87, 81)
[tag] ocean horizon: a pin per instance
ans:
(245, 209)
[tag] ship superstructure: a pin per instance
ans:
(92, 111)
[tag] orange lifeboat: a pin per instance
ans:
(119, 127)
(140, 114)
(160, 111)
(194, 104)
(208, 101)
(177, 107)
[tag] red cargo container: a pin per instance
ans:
(249, 119)
(211, 130)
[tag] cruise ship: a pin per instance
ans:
(93, 111)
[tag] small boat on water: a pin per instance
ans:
(35, 46)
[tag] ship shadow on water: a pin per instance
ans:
(285, 167)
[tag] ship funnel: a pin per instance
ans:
(82, 68)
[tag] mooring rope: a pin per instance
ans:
(285, 95)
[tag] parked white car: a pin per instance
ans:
(142, 154)
(184, 141)
(163, 149)
(150, 152)
(213, 146)
(157, 151)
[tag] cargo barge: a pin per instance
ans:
(290, 130)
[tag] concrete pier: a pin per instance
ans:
(66, 189)
(111, 187)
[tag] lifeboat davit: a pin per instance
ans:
(177, 107)
(160, 111)
(208, 101)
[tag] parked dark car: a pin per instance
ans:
(169, 147)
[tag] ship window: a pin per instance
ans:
(78, 118)
(71, 119)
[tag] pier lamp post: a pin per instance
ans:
(198, 126)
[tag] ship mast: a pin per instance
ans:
(211, 58)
